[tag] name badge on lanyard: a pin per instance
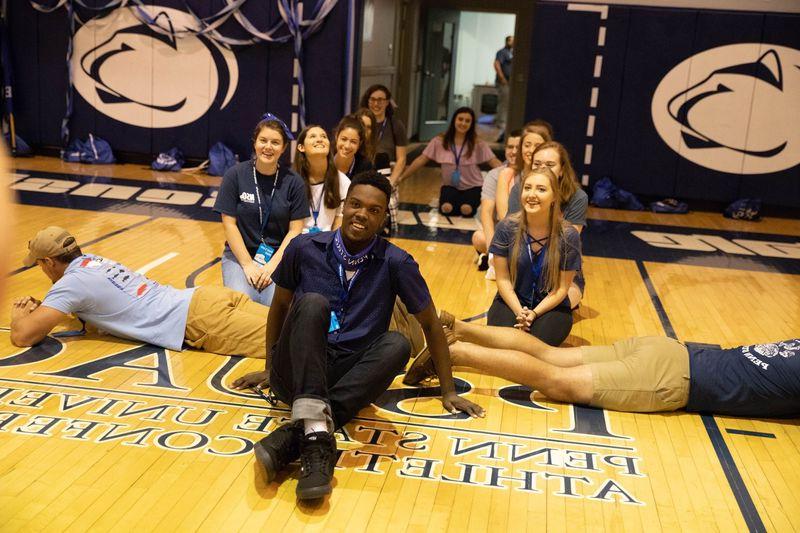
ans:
(355, 263)
(456, 176)
(536, 265)
(315, 210)
(264, 252)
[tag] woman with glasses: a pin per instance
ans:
(459, 152)
(263, 206)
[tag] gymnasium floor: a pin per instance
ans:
(100, 434)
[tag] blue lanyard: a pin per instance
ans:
(383, 127)
(536, 263)
(315, 209)
(263, 215)
(458, 155)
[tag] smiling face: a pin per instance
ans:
(512, 149)
(537, 194)
(463, 121)
(363, 214)
(529, 144)
(347, 143)
(378, 101)
(315, 143)
(268, 146)
(549, 158)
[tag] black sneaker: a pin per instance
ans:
(318, 457)
(483, 262)
(280, 448)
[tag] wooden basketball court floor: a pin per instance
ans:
(98, 433)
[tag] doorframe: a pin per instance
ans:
(411, 44)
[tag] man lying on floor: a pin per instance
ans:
(641, 374)
(124, 303)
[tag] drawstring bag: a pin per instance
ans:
(220, 159)
(20, 148)
(171, 160)
(606, 194)
(670, 205)
(744, 209)
(93, 151)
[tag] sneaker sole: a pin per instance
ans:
(314, 493)
(265, 460)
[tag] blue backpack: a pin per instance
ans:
(744, 209)
(606, 194)
(220, 159)
(94, 150)
(21, 149)
(171, 160)
(669, 205)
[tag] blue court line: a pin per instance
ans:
(286, 410)
(751, 433)
(94, 241)
(735, 481)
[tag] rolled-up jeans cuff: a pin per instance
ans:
(312, 408)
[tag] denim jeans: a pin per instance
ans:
(233, 277)
(323, 383)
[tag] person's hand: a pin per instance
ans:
(253, 380)
(453, 403)
(265, 276)
(252, 271)
(524, 319)
(503, 81)
(23, 306)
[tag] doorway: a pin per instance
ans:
(457, 68)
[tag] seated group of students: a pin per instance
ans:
(333, 290)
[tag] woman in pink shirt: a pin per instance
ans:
(459, 152)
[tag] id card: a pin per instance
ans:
(263, 254)
(334, 323)
(314, 229)
(456, 177)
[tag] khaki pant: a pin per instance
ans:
(226, 322)
(641, 374)
(404, 323)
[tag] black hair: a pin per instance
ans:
(470, 138)
(373, 178)
(515, 133)
(377, 87)
(271, 124)
(69, 257)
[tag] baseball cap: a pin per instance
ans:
(49, 242)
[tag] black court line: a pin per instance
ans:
(191, 278)
(476, 317)
(751, 433)
(94, 241)
(286, 410)
(734, 477)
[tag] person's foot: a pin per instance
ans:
(278, 449)
(318, 457)
(483, 262)
(423, 368)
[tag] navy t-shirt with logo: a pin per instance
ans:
(237, 198)
(762, 380)
(309, 265)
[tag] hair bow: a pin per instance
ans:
(284, 127)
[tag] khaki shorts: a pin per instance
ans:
(641, 374)
(226, 322)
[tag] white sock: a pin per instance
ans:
(315, 426)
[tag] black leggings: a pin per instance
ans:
(457, 198)
(552, 327)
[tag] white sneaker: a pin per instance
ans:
(490, 273)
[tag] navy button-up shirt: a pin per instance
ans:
(309, 265)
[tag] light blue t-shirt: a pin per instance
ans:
(121, 302)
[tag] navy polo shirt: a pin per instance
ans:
(237, 198)
(309, 265)
(762, 380)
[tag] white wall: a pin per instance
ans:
(480, 36)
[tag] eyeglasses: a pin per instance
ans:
(377, 100)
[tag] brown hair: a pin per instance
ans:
(556, 228)
(536, 130)
(332, 198)
(539, 123)
(352, 122)
(567, 181)
(370, 145)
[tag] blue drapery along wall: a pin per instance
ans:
(145, 93)
(687, 103)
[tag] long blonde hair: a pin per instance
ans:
(568, 180)
(552, 259)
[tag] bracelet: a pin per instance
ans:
(535, 314)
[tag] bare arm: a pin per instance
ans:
(499, 71)
(503, 190)
(399, 165)
(432, 328)
(31, 322)
(295, 229)
(550, 301)
(504, 285)
(415, 165)
(235, 240)
(487, 220)
(494, 162)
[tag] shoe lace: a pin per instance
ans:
(316, 457)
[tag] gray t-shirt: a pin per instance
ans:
(489, 188)
(391, 134)
(119, 301)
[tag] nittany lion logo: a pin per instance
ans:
(784, 349)
(151, 77)
(733, 108)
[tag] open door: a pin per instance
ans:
(438, 72)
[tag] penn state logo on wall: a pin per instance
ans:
(733, 108)
(139, 76)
